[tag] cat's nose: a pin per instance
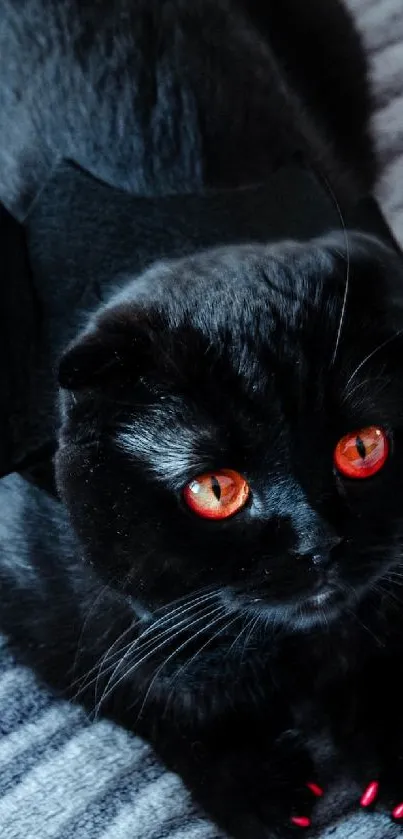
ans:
(313, 536)
(319, 554)
(322, 557)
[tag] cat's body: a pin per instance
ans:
(260, 652)
(163, 97)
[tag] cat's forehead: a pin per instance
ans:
(228, 283)
(251, 307)
(255, 323)
(243, 320)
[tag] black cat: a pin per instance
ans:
(223, 572)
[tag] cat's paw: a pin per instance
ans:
(274, 814)
(257, 790)
(307, 800)
(386, 793)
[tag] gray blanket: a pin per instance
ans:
(61, 777)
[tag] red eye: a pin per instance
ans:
(217, 495)
(362, 453)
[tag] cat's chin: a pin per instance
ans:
(312, 612)
(317, 610)
(310, 616)
(307, 618)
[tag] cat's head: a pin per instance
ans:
(233, 422)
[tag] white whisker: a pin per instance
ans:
(94, 603)
(347, 283)
(253, 623)
(189, 597)
(239, 635)
(371, 355)
(138, 645)
(111, 688)
(175, 653)
(384, 591)
(99, 664)
(194, 657)
(191, 604)
(364, 626)
(178, 612)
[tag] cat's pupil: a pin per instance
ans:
(361, 447)
(215, 486)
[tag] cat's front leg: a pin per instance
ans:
(252, 788)
(376, 748)
(258, 794)
(383, 789)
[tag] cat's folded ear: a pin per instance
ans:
(117, 343)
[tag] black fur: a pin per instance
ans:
(170, 97)
(209, 638)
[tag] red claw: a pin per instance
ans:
(398, 812)
(370, 794)
(301, 821)
(315, 789)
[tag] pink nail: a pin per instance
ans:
(370, 794)
(315, 789)
(301, 821)
(398, 812)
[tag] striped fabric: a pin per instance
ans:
(62, 778)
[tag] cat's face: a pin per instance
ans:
(258, 361)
